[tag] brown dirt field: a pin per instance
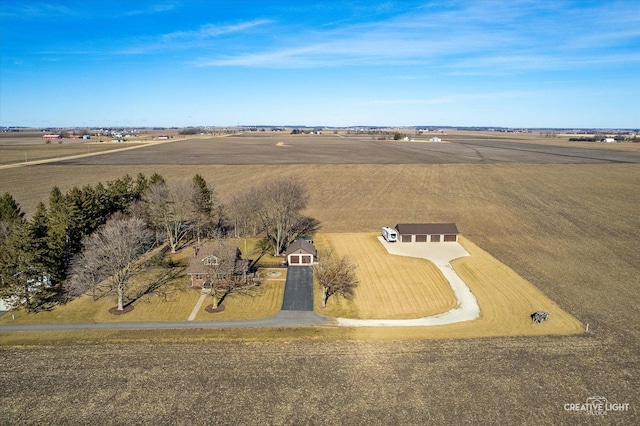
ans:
(304, 381)
(571, 230)
(12, 154)
(337, 149)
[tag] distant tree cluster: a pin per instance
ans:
(190, 131)
(549, 135)
(602, 137)
(582, 139)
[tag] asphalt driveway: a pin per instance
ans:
(298, 290)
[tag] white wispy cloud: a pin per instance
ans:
(153, 9)
(472, 37)
(36, 10)
(212, 30)
(187, 40)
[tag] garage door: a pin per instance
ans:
(406, 238)
(421, 238)
(294, 260)
(435, 238)
(450, 238)
(306, 259)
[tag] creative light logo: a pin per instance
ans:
(597, 406)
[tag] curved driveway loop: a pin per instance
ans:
(440, 254)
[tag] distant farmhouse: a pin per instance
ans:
(427, 232)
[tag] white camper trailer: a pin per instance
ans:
(389, 234)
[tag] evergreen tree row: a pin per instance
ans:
(36, 253)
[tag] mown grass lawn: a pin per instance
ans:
(174, 301)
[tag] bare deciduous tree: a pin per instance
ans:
(112, 253)
(86, 275)
(336, 276)
(244, 209)
(170, 207)
(278, 206)
(227, 272)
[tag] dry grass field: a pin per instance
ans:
(13, 154)
(176, 305)
(391, 287)
(174, 301)
(395, 287)
(570, 228)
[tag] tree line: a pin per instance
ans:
(86, 235)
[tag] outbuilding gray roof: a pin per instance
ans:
(301, 246)
(426, 228)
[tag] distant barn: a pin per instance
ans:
(427, 232)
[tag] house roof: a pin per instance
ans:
(426, 228)
(301, 246)
(197, 266)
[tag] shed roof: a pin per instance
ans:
(301, 246)
(426, 228)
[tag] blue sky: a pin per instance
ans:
(509, 63)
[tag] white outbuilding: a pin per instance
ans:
(301, 252)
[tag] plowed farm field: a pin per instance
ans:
(562, 219)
